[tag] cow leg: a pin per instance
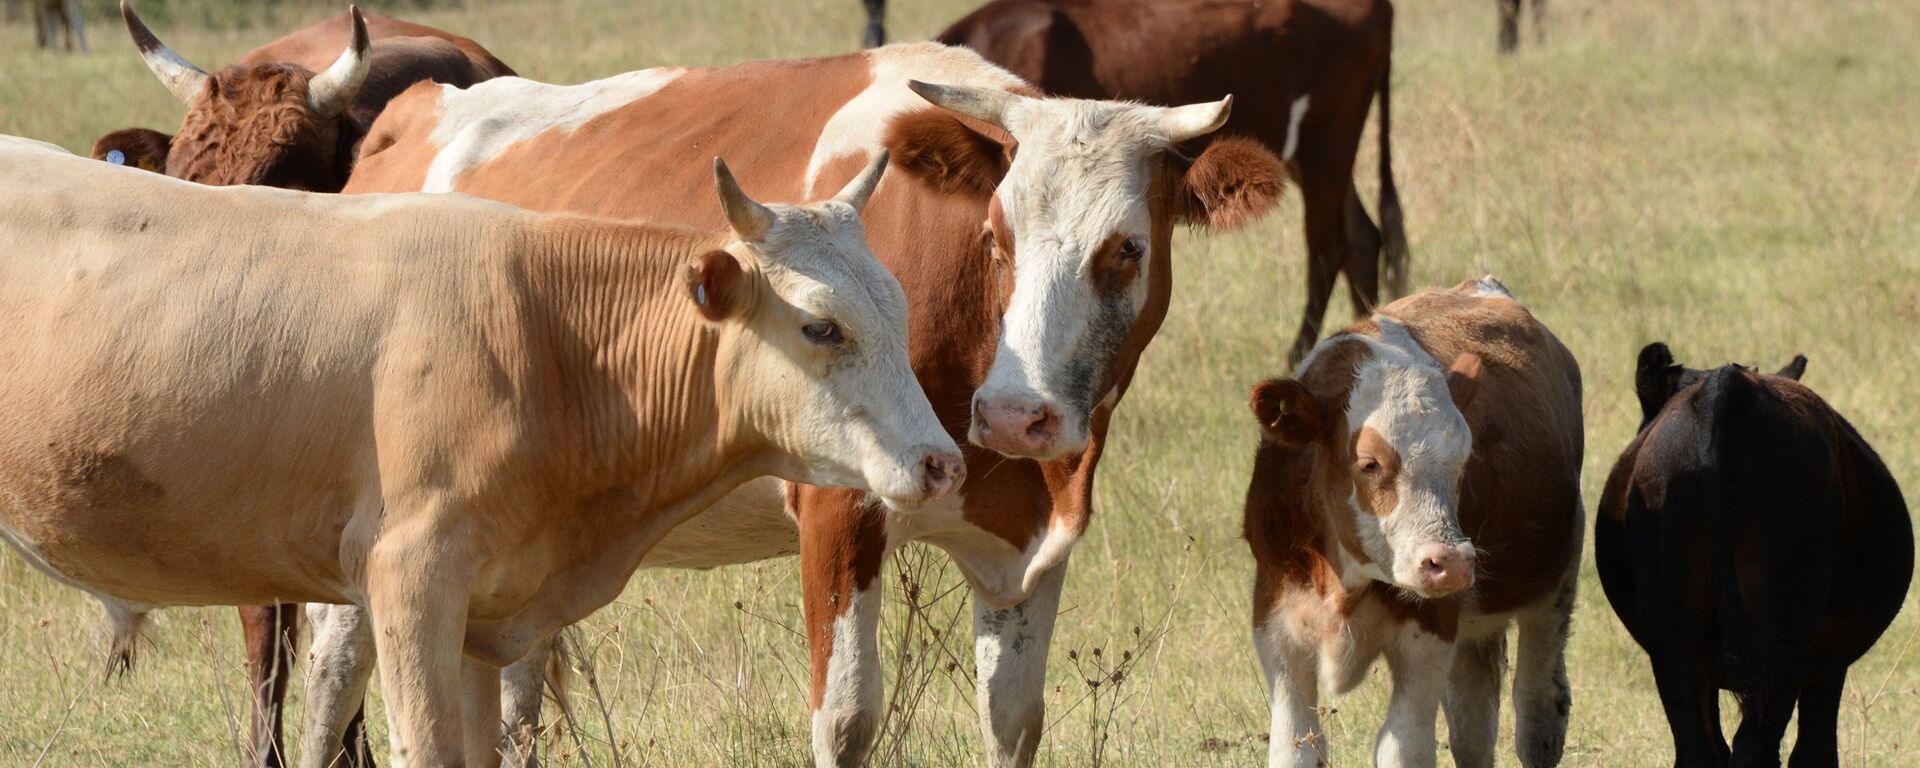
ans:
(1764, 715)
(841, 550)
(1542, 696)
(876, 22)
(1363, 255)
(1539, 9)
(1473, 699)
(480, 710)
(77, 28)
(1010, 648)
(338, 667)
(522, 685)
(271, 631)
(1819, 742)
(1692, 706)
(417, 577)
(1419, 661)
(1323, 199)
(1509, 25)
(1295, 738)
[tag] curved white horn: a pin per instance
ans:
(331, 92)
(1195, 120)
(861, 187)
(175, 72)
(988, 105)
(750, 220)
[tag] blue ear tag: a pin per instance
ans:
(116, 157)
(700, 294)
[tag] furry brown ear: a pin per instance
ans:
(1233, 182)
(1463, 379)
(142, 148)
(939, 149)
(716, 284)
(1795, 369)
(1288, 413)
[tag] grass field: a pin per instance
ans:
(1736, 178)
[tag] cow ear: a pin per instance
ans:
(717, 285)
(141, 148)
(1463, 379)
(1288, 413)
(942, 151)
(1233, 182)
(1654, 380)
(1795, 369)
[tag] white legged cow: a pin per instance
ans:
(1417, 492)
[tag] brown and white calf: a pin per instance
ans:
(1303, 72)
(472, 419)
(1417, 492)
(1033, 237)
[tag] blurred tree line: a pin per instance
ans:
(210, 13)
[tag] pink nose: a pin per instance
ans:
(943, 472)
(1016, 427)
(1446, 568)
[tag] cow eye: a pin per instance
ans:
(1131, 249)
(824, 332)
(1369, 467)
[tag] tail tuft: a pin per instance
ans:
(126, 621)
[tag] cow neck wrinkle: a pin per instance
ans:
(635, 368)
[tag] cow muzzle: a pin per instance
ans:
(1021, 427)
(1443, 569)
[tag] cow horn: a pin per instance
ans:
(988, 105)
(176, 73)
(861, 187)
(750, 220)
(1195, 120)
(331, 92)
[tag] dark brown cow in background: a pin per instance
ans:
(1303, 73)
(55, 20)
(291, 114)
(1510, 24)
(876, 22)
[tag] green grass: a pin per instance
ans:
(1738, 179)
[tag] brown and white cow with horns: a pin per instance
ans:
(473, 419)
(1418, 491)
(1033, 236)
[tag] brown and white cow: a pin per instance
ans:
(473, 419)
(290, 113)
(1303, 73)
(1032, 236)
(1418, 491)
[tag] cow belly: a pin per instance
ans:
(748, 525)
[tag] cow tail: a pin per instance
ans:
(557, 666)
(126, 622)
(1724, 395)
(1392, 226)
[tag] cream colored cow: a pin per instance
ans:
(470, 418)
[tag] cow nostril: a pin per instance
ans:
(1045, 423)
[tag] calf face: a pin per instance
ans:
(1074, 232)
(271, 124)
(815, 343)
(1392, 456)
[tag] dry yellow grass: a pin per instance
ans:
(1738, 179)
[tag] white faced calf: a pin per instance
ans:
(1451, 412)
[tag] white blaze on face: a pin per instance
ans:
(1401, 396)
(828, 359)
(1074, 205)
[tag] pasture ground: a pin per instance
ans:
(1738, 179)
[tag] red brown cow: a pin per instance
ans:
(1510, 23)
(1450, 413)
(1304, 72)
(1752, 541)
(269, 119)
(1035, 278)
(290, 113)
